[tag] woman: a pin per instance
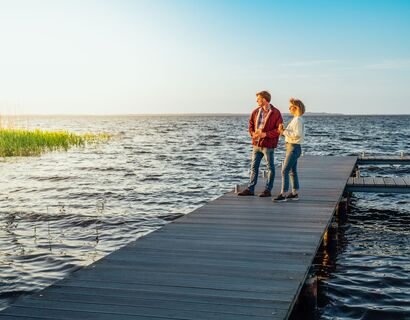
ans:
(294, 135)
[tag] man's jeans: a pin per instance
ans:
(289, 167)
(257, 154)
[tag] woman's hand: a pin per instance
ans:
(280, 128)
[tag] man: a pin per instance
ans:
(263, 128)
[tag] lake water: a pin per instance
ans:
(64, 210)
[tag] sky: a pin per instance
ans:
(191, 56)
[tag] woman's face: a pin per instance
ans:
(293, 109)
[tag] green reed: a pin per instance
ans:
(20, 142)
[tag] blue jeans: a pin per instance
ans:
(289, 167)
(257, 154)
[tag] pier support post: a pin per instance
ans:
(332, 239)
(355, 171)
(341, 211)
(308, 298)
(346, 200)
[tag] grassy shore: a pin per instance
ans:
(20, 142)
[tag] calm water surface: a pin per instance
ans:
(64, 210)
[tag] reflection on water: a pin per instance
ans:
(363, 272)
(372, 279)
(67, 209)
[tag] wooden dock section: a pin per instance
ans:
(379, 184)
(374, 160)
(235, 258)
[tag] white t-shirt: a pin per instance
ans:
(295, 131)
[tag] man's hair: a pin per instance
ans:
(264, 94)
(298, 103)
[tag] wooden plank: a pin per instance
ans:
(234, 258)
(399, 182)
(197, 265)
(208, 281)
(208, 271)
(378, 181)
(235, 224)
(389, 182)
(222, 257)
(293, 245)
(379, 189)
(248, 238)
(358, 181)
(242, 309)
(227, 229)
(8, 317)
(368, 181)
(243, 248)
(270, 213)
(374, 160)
(146, 298)
(153, 310)
(168, 292)
(131, 288)
(112, 313)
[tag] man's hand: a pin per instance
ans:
(258, 134)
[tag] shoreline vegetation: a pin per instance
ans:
(23, 143)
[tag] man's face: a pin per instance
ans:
(260, 101)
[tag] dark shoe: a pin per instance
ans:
(279, 198)
(265, 194)
(292, 196)
(246, 192)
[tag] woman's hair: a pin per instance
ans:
(264, 94)
(298, 103)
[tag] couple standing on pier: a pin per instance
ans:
(265, 128)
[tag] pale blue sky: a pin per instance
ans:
(170, 56)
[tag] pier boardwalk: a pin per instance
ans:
(234, 258)
(378, 184)
(366, 160)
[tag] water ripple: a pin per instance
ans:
(64, 210)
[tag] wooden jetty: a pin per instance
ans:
(379, 184)
(234, 258)
(371, 160)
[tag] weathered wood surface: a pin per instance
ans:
(405, 159)
(234, 258)
(379, 184)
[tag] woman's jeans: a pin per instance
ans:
(257, 154)
(289, 167)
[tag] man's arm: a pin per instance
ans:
(251, 125)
